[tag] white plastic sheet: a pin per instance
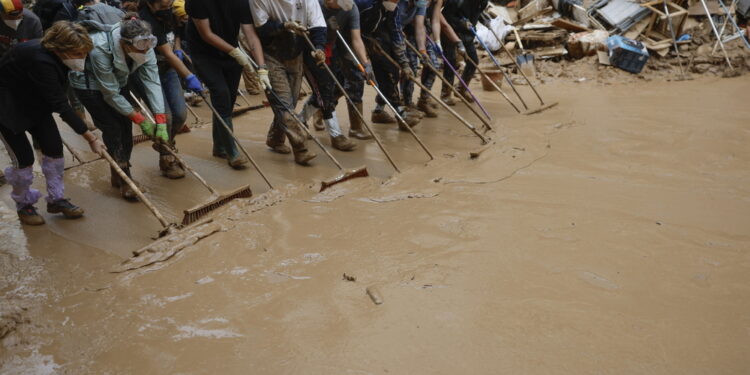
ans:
(500, 28)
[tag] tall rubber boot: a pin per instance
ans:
(53, 169)
(356, 127)
(24, 196)
(127, 193)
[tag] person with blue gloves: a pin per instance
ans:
(158, 13)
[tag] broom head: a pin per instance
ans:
(195, 213)
(346, 175)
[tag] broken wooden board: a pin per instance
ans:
(568, 25)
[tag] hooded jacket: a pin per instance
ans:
(107, 71)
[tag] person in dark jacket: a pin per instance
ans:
(461, 14)
(19, 25)
(33, 77)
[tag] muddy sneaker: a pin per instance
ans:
(170, 168)
(411, 118)
(424, 106)
(342, 143)
(465, 94)
(66, 208)
(238, 162)
(412, 108)
(432, 103)
(303, 157)
(28, 215)
(448, 99)
(382, 117)
(280, 148)
(127, 193)
(219, 154)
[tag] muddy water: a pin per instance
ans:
(606, 235)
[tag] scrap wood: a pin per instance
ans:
(568, 25)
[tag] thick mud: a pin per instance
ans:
(609, 234)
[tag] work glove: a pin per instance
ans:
(295, 27)
(180, 54)
(241, 59)
(161, 133)
(319, 55)
(263, 77)
(193, 84)
(407, 73)
(147, 127)
(461, 48)
(369, 73)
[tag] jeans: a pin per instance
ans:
(117, 129)
(428, 76)
(222, 76)
(174, 99)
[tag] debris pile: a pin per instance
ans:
(652, 35)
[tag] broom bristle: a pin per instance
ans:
(348, 175)
(195, 213)
(140, 138)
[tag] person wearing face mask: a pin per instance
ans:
(33, 77)
(158, 13)
(121, 52)
(19, 25)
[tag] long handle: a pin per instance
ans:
(737, 28)
(492, 82)
(497, 64)
(236, 141)
(674, 38)
(716, 32)
(455, 72)
(73, 152)
(198, 120)
(387, 102)
(424, 88)
(448, 84)
(137, 191)
(513, 59)
(354, 107)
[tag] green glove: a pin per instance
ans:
(161, 133)
(147, 127)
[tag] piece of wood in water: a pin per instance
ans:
(375, 295)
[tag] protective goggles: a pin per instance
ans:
(142, 42)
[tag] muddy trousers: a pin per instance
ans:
(222, 76)
(21, 175)
(286, 80)
(428, 76)
(450, 55)
(117, 129)
(386, 74)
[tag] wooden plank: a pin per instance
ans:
(568, 25)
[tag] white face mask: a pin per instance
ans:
(13, 24)
(76, 65)
(389, 5)
(138, 57)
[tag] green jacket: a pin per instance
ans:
(107, 71)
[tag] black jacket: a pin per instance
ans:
(33, 84)
(457, 11)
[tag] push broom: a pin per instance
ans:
(345, 174)
(217, 199)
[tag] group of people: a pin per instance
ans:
(73, 57)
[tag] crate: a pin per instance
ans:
(627, 54)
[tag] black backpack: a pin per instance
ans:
(50, 11)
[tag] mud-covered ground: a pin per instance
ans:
(609, 234)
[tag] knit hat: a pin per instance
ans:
(178, 8)
(346, 5)
(11, 6)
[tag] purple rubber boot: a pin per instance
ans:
(53, 172)
(22, 192)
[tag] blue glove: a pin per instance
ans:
(180, 54)
(193, 84)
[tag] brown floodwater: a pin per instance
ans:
(609, 234)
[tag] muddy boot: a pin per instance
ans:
(381, 116)
(127, 193)
(170, 168)
(280, 149)
(413, 109)
(28, 215)
(445, 96)
(303, 156)
(424, 106)
(63, 206)
(114, 178)
(342, 143)
(466, 95)
(311, 113)
(238, 162)
(356, 128)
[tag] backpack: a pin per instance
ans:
(48, 10)
(102, 13)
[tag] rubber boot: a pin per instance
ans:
(303, 156)
(338, 140)
(356, 127)
(53, 169)
(127, 193)
(412, 108)
(114, 178)
(170, 167)
(24, 196)
(411, 119)
(381, 116)
(445, 95)
(424, 106)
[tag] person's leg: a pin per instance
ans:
(232, 73)
(407, 86)
(383, 70)
(210, 72)
(469, 70)
(20, 176)
(174, 100)
(425, 103)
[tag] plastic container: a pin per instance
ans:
(627, 54)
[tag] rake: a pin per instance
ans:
(217, 199)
